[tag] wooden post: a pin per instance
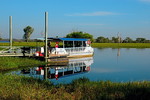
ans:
(46, 32)
(10, 32)
(45, 72)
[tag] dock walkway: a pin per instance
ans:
(51, 56)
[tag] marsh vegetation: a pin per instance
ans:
(19, 87)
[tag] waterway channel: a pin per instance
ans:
(117, 65)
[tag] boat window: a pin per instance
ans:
(74, 44)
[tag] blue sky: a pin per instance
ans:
(131, 18)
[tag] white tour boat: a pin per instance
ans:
(72, 47)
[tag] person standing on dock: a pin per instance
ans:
(49, 48)
(56, 46)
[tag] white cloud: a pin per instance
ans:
(145, 1)
(99, 13)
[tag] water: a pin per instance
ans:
(117, 65)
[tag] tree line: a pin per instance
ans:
(102, 39)
(79, 34)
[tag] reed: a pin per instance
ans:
(106, 90)
(20, 87)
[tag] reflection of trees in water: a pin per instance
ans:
(101, 48)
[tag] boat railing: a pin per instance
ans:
(75, 49)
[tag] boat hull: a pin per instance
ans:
(74, 52)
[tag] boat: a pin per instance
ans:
(71, 47)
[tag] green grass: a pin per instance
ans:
(121, 45)
(99, 45)
(14, 87)
(31, 44)
(8, 63)
(23, 44)
(1, 48)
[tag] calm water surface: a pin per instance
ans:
(117, 65)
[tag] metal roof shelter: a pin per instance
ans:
(67, 39)
(63, 39)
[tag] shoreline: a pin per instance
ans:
(102, 45)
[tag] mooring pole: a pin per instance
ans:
(10, 32)
(45, 72)
(46, 32)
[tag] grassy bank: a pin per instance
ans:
(32, 44)
(14, 87)
(101, 45)
(121, 45)
(23, 44)
(8, 63)
(1, 48)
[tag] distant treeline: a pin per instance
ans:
(102, 39)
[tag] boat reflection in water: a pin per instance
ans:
(72, 67)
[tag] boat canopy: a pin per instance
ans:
(63, 39)
(69, 42)
(67, 39)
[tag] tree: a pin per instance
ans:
(127, 40)
(99, 39)
(28, 31)
(80, 35)
(102, 39)
(140, 40)
(115, 40)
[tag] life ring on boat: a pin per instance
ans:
(88, 68)
(88, 42)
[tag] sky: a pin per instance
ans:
(128, 18)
